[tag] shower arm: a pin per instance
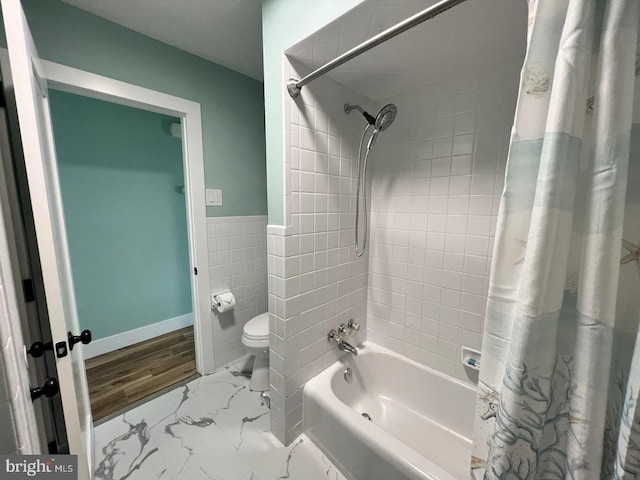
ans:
(294, 85)
(370, 118)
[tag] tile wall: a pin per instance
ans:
(316, 282)
(436, 188)
(237, 261)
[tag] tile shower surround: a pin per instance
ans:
(436, 188)
(436, 177)
(237, 249)
(316, 282)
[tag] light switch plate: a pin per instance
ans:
(214, 197)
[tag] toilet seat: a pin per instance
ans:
(257, 329)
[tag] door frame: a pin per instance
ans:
(80, 82)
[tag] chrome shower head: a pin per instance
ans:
(385, 117)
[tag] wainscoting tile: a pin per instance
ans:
(237, 262)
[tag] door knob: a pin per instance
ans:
(48, 389)
(84, 338)
(37, 349)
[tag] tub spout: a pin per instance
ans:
(347, 347)
(343, 345)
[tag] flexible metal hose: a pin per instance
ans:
(362, 186)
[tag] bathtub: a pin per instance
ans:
(421, 420)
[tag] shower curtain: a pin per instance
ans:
(559, 385)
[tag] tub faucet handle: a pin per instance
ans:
(353, 325)
(333, 336)
(344, 328)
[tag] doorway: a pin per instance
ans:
(121, 179)
(185, 115)
(26, 78)
(79, 82)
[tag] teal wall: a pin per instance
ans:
(126, 220)
(232, 103)
(285, 23)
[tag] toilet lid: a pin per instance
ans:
(257, 327)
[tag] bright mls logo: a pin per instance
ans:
(53, 467)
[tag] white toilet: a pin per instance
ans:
(255, 338)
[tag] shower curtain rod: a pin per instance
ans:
(294, 85)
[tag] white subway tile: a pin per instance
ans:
(307, 139)
(450, 298)
(464, 123)
(451, 280)
(421, 287)
(477, 245)
(444, 127)
(461, 164)
(457, 224)
(440, 186)
(481, 204)
(441, 167)
(463, 144)
(483, 184)
(460, 185)
(458, 205)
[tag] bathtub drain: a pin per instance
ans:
(367, 416)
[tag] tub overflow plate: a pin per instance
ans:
(348, 374)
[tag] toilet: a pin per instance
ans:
(255, 338)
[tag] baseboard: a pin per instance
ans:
(120, 340)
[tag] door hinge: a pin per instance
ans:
(27, 290)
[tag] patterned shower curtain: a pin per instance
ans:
(559, 386)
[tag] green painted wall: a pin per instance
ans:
(285, 23)
(232, 103)
(126, 220)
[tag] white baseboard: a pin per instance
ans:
(120, 340)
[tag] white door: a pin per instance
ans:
(37, 141)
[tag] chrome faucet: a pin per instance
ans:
(343, 345)
(347, 347)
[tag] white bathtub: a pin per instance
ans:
(421, 419)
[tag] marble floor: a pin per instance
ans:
(213, 428)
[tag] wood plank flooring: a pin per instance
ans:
(121, 379)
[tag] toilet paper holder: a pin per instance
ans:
(223, 301)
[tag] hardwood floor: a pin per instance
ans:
(121, 379)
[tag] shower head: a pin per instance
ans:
(385, 117)
(382, 121)
(370, 118)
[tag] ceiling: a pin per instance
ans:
(227, 32)
(470, 37)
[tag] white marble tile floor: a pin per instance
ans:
(212, 428)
